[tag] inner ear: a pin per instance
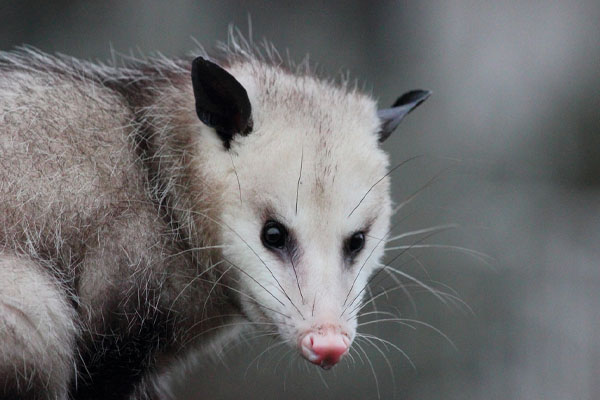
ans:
(221, 101)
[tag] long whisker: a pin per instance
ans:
(370, 293)
(382, 178)
(419, 190)
(246, 339)
(390, 271)
(365, 262)
(248, 296)
(261, 353)
(323, 379)
(215, 283)
(223, 224)
(408, 321)
(378, 272)
(189, 329)
(236, 177)
(297, 281)
(397, 320)
(352, 359)
(417, 281)
(449, 296)
(191, 249)
(261, 334)
(419, 263)
(389, 314)
(281, 358)
(285, 374)
(354, 312)
(485, 258)
(385, 358)
(404, 288)
(454, 292)
(245, 323)
(424, 230)
(357, 353)
(257, 255)
(362, 266)
(372, 369)
(191, 282)
(257, 282)
(299, 177)
(387, 342)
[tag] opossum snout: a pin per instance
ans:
(325, 346)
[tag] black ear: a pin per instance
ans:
(391, 117)
(221, 101)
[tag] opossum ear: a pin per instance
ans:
(391, 117)
(221, 101)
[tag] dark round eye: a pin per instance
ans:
(274, 235)
(356, 243)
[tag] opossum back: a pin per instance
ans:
(67, 163)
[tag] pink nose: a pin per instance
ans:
(324, 348)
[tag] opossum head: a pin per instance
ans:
(306, 201)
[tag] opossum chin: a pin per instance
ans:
(321, 340)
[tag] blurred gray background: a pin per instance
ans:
(514, 125)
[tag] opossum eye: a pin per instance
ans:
(355, 243)
(274, 235)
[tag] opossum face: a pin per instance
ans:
(308, 246)
(306, 206)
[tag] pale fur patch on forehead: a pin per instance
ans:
(323, 106)
(302, 122)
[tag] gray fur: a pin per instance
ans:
(85, 209)
(111, 210)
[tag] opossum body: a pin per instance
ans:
(151, 209)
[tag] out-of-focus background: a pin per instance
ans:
(514, 129)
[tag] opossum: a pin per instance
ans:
(154, 207)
